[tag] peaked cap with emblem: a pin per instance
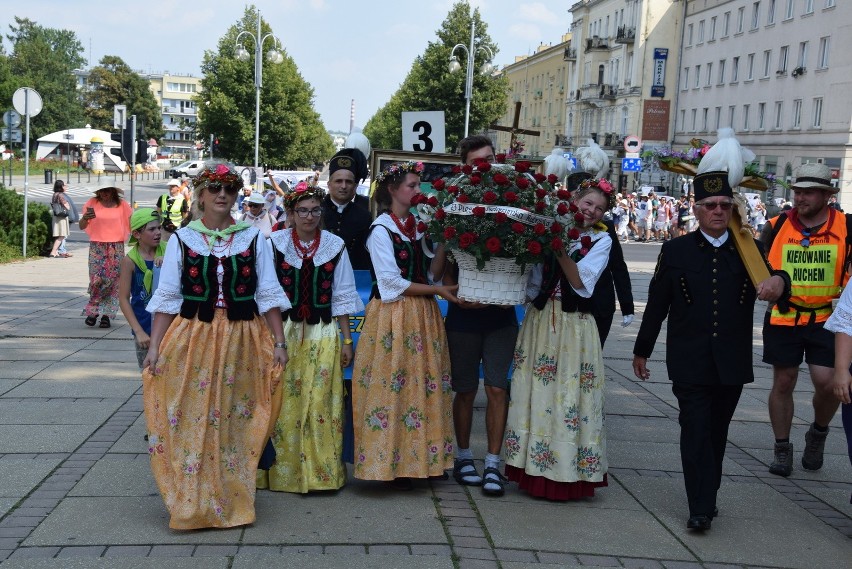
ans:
(350, 159)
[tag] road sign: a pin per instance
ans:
(631, 164)
(12, 118)
(27, 101)
(424, 131)
(16, 135)
(632, 143)
(119, 115)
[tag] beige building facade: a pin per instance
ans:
(623, 74)
(776, 71)
(177, 97)
(539, 82)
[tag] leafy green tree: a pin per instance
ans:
(291, 132)
(112, 83)
(429, 85)
(44, 59)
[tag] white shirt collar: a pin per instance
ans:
(340, 207)
(715, 241)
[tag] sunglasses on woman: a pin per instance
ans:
(230, 190)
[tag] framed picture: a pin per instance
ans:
(435, 165)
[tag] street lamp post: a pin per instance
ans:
(470, 51)
(273, 56)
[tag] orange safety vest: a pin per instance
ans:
(816, 272)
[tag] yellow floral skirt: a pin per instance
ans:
(209, 411)
(308, 435)
(401, 395)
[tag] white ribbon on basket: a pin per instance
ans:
(514, 213)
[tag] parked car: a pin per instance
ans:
(191, 168)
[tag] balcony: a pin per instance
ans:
(626, 35)
(178, 110)
(597, 43)
(598, 92)
(570, 54)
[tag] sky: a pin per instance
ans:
(344, 53)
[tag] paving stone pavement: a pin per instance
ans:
(76, 488)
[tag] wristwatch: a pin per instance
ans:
(281, 345)
(347, 341)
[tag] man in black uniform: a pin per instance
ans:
(346, 214)
(701, 283)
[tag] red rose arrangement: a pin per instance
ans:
(498, 210)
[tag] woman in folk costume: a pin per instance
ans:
(213, 363)
(401, 396)
(555, 444)
(313, 267)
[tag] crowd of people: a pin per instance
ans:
(241, 320)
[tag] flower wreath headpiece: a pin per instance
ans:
(302, 191)
(603, 185)
(399, 169)
(219, 176)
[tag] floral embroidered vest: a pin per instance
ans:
(552, 273)
(308, 288)
(200, 287)
(413, 264)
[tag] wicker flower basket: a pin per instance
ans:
(501, 281)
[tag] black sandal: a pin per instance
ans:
(91, 320)
(460, 464)
(439, 477)
(105, 322)
(492, 476)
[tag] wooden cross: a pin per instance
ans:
(514, 130)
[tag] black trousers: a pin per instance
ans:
(604, 322)
(705, 414)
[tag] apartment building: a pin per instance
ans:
(778, 72)
(623, 75)
(177, 97)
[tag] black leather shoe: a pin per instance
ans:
(699, 522)
(715, 511)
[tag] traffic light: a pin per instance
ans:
(125, 138)
(141, 151)
(215, 149)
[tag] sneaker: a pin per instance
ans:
(814, 446)
(783, 463)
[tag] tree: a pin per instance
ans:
(112, 83)
(430, 86)
(44, 59)
(291, 132)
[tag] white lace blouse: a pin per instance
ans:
(590, 267)
(841, 319)
(344, 295)
(168, 298)
(380, 246)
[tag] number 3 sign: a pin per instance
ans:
(423, 131)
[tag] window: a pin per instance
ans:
(750, 67)
(817, 122)
(709, 80)
(770, 13)
(740, 20)
(697, 76)
(788, 11)
(704, 113)
(694, 112)
(700, 32)
(721, 71)
(803, 54)
(797, 113)
(761, 116)
(809, 7)
(685, 78)
(755, 15)
(822, 56)
(718, 120)
(689, 35)
(735, 69)
(682, 120)
(712, 29)
(745, 116)
(779, 115)
(782, 59)
(732, 112)
(726, 24)
(767, 60)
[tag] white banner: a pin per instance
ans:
(513, 213)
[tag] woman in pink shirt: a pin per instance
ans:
(106, 219)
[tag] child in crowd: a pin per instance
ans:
(135, 285)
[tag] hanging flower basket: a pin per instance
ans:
(501, 281)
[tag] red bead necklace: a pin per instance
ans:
(306, 252)
(408, 228)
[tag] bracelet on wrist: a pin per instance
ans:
(281, 345)
(347, 341)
